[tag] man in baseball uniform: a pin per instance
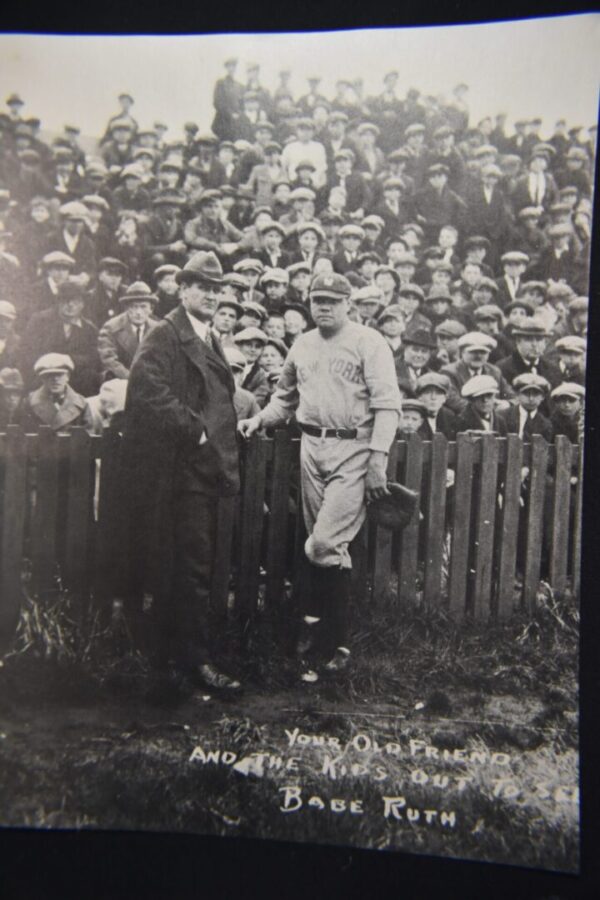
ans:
(340, 380)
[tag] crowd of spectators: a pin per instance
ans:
(467, 246)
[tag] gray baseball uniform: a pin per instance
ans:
(335, 382)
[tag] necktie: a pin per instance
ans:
(140, 333)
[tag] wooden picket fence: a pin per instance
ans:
(474, 547)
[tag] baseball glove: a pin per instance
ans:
(395, 510)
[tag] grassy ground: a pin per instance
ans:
(82, 745)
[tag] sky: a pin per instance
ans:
(547, 67)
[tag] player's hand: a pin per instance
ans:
(376, 480)
(247, 427)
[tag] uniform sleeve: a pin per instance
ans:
(284, 399)
(380, 374)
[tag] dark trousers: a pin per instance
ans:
(195, 522)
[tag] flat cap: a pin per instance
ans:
(302, 193)
(373, 221)
(450, 328)
(210, 195)
(231, 303)
(306, 164)
(572, 343)
(132, 171)
(311, 226)
(368, 256)
(530, 381)
(393, 184)
(166, 269)
(477, 240)
(255, 309)
(272, 226)
(203, 267)
(351, 230)
(578, 305)
(438, 169)
(14, 100)
(70, 290)
(435, 380)
(488, 311)
(366, 127)
(415, 128)
(136, 292)
(390, 312)
(515, 256)
(531, 327)
(414, 405)
(528, 286)
(420, 337)
(111, 262)
(519, 304)
(387, 270)
(485, 150)
(577, 153)
(368, 294)
(337, 116)
(298, 267)
(476, 340)
(399, 155)
(58, 258)
(74, 210)
(330, 285)
(411, 290)
(252, 333)
(53, 362)
(299, 308)
(169, 197)
(275, 274)
(568, 389)
(479, 385)
(248, 265)
(236, 280)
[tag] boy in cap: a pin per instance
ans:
(412, 417)
(55, 403)
(275, 283)
(72, 239)
(418, 350)
(300, 275)
(514, 264)
(447, 334)
(103, 299)
(524, 417)
(571, 351)
(296, 319)
(226, 318)
(432, 390)
(208, 231)
(567, 416)
(480, 415)
(251, 341)
(530, 341)
(166, 289)
(121, 336)
(368, 301)
(346, 259)
(305, 147)
(244, 401)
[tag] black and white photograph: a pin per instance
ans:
(293, 338)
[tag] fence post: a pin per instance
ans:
(44, 524)
(508, 532)
(252, 515)
(483, 554)
(461, 523)
(561, 510)
(79, 511)
(435, 524)
(576, 536)
(409, 545)
(535, 519)
(277, 541)
(383, 539)
(13, 528)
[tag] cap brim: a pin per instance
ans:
(184, 277)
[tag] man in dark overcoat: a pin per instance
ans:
(179, 456)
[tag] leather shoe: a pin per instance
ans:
(210, 676)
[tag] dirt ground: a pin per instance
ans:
(439, 741)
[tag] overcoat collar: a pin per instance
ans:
(194, 348)
(44, 408)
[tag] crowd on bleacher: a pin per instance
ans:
(466, 246)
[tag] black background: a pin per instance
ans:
(115, 866)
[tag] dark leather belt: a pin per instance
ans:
(314, 431)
